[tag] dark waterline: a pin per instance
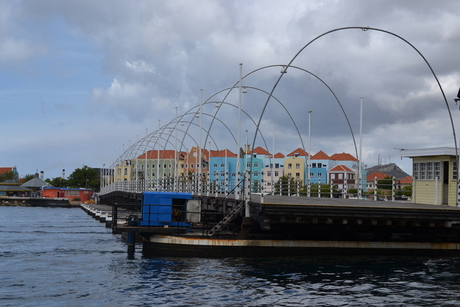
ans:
(63, 257)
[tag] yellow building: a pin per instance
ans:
(435, 175)
(124, 171)
(294, 164)
(151, 165)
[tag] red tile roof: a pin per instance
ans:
(300, 151)
(222, 153)
(373, 175)
(320, 155)
(406, 180)
(260, 151)
(164, 154)
(340, 168)
(343, 157)
(279, 155)
(3, 170)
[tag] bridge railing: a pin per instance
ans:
(296, 188)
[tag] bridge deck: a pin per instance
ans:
(347, 208)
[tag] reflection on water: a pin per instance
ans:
(62, 257)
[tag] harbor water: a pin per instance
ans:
(63, 257)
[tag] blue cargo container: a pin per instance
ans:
(164, 209)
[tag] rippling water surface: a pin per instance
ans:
(63, 257)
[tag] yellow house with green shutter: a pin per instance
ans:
(435, 175)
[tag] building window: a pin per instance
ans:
(256, 164)
(297, 175)
(215, 165)
(415, 171)
(340, 176)
(313, 165)
(289, 165)
(277, 165)
(164, 166)
(222, 174)
(191, 165)
(427, 170)
(256, 174)
(248, 164)
(297, 165)
(454, 170)
(269, 174)
(332, 176)
(276, 173)
(153, 166)
(126, 171)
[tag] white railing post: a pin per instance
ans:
(393, 188)
(436, 186)
(375, 189)
(319, 187)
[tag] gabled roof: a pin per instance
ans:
(260, 151)
(340, 168)
(222, 154)
(377, 175)
(300, 152)
(278, 155)
(320, 155)
(406, 180)
(343, 157)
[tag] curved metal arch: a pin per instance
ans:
(215, 116)
(295, 125)
(207, 114)
(378, 30)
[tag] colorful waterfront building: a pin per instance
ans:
(295, 164)
(320, 164)
(222, 168)
(70, 193)
(272, 172)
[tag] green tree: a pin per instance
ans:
(325, 190)
(407, 191)
(26, 178)
(385, 184)
(8, 176)
(84, 177)
(57, 182)
(285, 185)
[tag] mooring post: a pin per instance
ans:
(131, 243)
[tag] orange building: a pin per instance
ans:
(71, 194)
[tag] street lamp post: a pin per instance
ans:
(309, 153)
(360, 148)
(238, 155)
(175, 155)
(273, 161)
(200, 173)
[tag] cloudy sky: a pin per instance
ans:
(84, 82)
